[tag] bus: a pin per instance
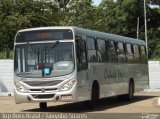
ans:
(71, 64)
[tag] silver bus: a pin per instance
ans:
(70, 64)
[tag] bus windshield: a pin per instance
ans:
(44, 59)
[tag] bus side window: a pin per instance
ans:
(129, 53)
(92, 54)
(101, 50)
(81, 54)
(143, 54)
(121, 53)
(136, 54)
(111, 51)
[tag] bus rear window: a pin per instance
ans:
(43, 35)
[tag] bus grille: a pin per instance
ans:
(40, 90)
(42, 83)
(43, 96)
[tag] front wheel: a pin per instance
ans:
(43, 105)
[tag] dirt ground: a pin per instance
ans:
(142, 103)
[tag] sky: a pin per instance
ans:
(97, 2)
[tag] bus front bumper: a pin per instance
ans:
(67, 96)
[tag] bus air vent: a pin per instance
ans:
(42, 83)
(46, 96)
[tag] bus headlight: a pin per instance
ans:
(19, 87)
(68, 85)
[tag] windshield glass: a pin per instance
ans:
(44, 59)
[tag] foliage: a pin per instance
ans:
(3, 55)
(112, 16)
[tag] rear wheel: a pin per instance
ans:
(43, 105)
(128, 96)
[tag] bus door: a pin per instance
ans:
(82, 70)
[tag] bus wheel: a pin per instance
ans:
(94, 97)
(129, 96)
(43, 105)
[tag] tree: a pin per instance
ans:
(121, 16)
(62, 4)
(80, 13)
(20, 14)
(111, 16)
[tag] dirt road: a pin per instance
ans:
(142, 103)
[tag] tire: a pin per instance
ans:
(94, 98)
(43, 105)
(129, 96)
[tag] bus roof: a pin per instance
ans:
(91, 33)
(46, 28)
(109, 36)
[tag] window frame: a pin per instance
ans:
(137, 55)
(96, 59)
(129, 52)
(105, 59)
(119, 52)
(110, 59)
(80, 68)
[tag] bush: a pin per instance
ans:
(3, 55)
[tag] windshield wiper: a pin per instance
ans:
(28, 44)
(55, 44)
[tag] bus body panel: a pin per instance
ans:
(28, 97)
(52, 90)
(113, 85)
